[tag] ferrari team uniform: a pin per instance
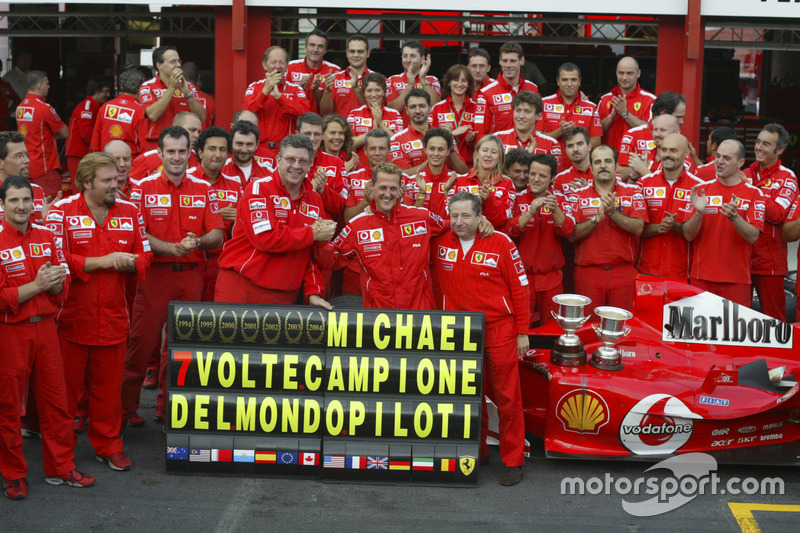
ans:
(666, 254)
(639, 141)
(149, 93)
(721, 258)
(270, 254)
(342, 95)
(277, 118)
(336, 191)
(393, 253)
(38, 122)
(604, 259)
(500, 204)
(561, 183)
(406, 149)
(81, 128)
(778, 184)
(93, 321)
(258, 169)
(170, 212)
(444, 113)
(489, 276)
(542, 144)
(396, 84)
(148, 163)
(638, 102)
(298, 71)
(436, 193)
(31, 352)
(120, 119)
(496, 113)
(361, 121)
(539, 245)
(582, 112)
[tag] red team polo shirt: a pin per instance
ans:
(639, 102)
(149, 93)
(98, 297)
(148, 163)
(406, 149)
(495, 98)
(342, 95)
(81, 128)
(336, 191)
(397, 84)
(225, 192)
(298, 71)
(171, 212)
(21, 257)
(582, 112)
(259, 168)
(436, 200)
(544, 143)
(667, 254)
(119, 119)
(444, 114)
(38, 121)
(500, 204)
(276, 118)
(38, 204)
(272, 240)
(608, 244)
(361, 121)
(719, 254)
(778, 184)
(561, 184)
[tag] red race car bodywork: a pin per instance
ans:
(695, 378)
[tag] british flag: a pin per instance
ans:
(378, 463)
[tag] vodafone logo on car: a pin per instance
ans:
(659, 424)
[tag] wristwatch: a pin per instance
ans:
(422, 196)
(625, 114)
(197, 242)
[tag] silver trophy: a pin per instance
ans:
(568, 349)
(610, 331)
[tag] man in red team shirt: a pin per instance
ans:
(406, 150)
(708, 171)
(495, 99)
(180, 227)
(791, 232)
(391, 246)
(343, 91)
(126, 189)
(14, 161)
(279, 220)
(33, 283)
(166, 95)
(568, 108)
(149, 162)
(577, 147)
(192, 74)
(479, 64)
(104, 243)
(416, 64)
(667, 195)
(609, 218)
(527, 112)
(121, 118)
(433, 181)
(728, 217)
(778, 184)
(310, 72)
(626, 106)
(243, 162)
(538, 224)
(39, 123)
(486, 274)
(641, 148)
(326, 172)
(517, 167)
(82, 122)
(374, 114)
(276, 101)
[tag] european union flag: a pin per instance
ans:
(287, 458)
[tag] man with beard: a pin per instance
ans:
(416, 64)
(667, 195)
(609, 218)
(243, 163)
(577, 146)
(104, 243)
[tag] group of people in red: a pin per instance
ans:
(466, 194)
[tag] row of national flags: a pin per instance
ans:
(356, 462)
(218, 455)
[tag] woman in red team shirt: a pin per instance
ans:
(486, 181)
(337, 139)
(456, 112)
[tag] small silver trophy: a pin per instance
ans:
(610, 331)
(568, 349)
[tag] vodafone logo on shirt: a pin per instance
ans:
(279, 202)
(447, 254)
(655, 192)
(11, 255)
(157, 200)
(80, 222)
(556, 108)
(502, 98)
(367, 236)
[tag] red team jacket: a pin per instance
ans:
(544, 143)
(276, 118)
(272, 240)
(96, 313)
(149, 93)
(500, 204)
(119, 119)
(639, 103)
(495, 102)
(393, 254)
(778, 184)
(299, 71)
(490, 277)
(38, 121)
(21, 257)
(81, 128)
(397, 84)
(582, 112)
(406, 149)
(444, 114)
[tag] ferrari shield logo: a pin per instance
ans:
(187, 200)
(637, 106)
(466, 463)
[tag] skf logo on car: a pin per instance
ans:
(659, 424)
(582, 411)
(707, 318)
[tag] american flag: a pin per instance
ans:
(378, 463)
(334, 461)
